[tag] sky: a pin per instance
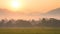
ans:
(27, 8)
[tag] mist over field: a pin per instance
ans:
(29, 16)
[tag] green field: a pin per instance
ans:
(29, 30)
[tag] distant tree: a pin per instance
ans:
(2, 24)
(9, 23)
(53, 22)
(22, 23)
(44, 21)
(33, 22)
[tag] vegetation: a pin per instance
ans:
(24, 23)
(42, 26)
(29, 31)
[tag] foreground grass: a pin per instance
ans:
(29, 31)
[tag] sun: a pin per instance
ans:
(15, 4)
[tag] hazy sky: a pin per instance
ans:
(31, 6)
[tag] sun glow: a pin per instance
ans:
(15, 5)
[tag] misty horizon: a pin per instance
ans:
(4, 13)
(29, 9)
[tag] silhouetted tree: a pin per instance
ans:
(9, 23)
(2, 24)
(22, 23)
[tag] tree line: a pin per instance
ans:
(44, 22)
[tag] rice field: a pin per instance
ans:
(29, 30)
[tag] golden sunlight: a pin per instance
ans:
(15, 5)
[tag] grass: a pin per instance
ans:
(29, 30)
